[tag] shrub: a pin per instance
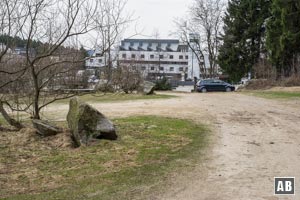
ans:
(163, 84)
(291, 81)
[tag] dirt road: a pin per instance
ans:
(253, 141)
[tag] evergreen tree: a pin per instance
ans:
(283, 36)
(243, 36)
(18, 42)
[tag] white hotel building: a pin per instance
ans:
(157, 58)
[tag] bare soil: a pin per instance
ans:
(253, 141)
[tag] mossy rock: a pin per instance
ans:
(148, 88)
(86, 123)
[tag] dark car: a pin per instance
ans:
(208, 85)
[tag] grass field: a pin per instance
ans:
(275, 94)
(148, 149)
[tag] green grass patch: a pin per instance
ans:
(2, 121)
(117, 97)
(148, 149)
(275, 94)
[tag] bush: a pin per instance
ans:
(291, 81)
(127, 78)
(261, 84)
(163, 84)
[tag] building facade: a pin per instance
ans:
(158, 58)
(154, 58)
(97, 60)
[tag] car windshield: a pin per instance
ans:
(218, 81)
(207, 81)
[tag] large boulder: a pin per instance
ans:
(45, 128)
(148, 87)
(87, 123)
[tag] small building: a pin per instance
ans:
(22, 51)
(97, 60)
(96, 63)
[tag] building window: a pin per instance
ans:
(143, 68)
(171, 56)
(91, 60)
(98, 54)
(152, 56)
(181, 69)
(181, 57)
(161, 56)
(186, 57)
(161, 68)
(100, 60)
(142, 56)
(152, 68)
(171, 69)
(133, 56)
(123, 55)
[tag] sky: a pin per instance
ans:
(156, 16)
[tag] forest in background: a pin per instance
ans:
(261, 37)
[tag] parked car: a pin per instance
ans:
(208, 85)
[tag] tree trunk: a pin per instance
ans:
(278, 71)
(36, 110)
(10, 120)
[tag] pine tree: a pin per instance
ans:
(283, 36)
(243, 36)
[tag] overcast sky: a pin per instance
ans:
(156, 16)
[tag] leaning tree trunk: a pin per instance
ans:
(10, 120)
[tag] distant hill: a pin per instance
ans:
(13, 42)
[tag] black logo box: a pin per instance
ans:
(284, 184)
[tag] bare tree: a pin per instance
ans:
(127, 77)
(11, 22)
(49, 29)
(195, 45)
(207, 18)
(52, 31)
(205, 21)
(57, 26)
(111, 20)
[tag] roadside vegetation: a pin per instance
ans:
(284, 89)
(138, 162)
(274, 94)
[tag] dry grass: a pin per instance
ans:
(148, 148)
(260, 84)
(263, 84)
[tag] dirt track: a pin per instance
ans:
(253, 141)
